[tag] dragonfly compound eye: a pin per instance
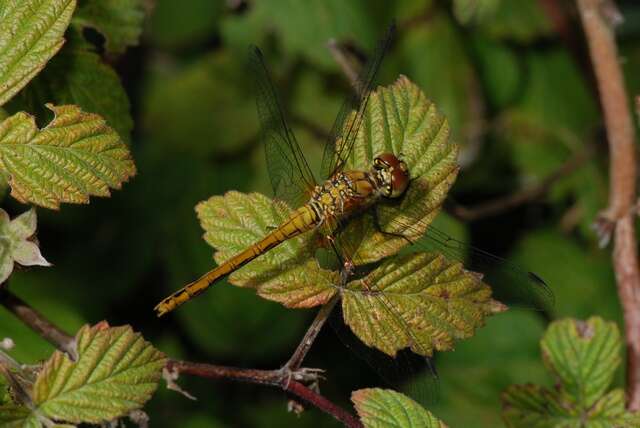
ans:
(395, 174)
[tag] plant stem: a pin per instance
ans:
(597, 19)
(305, 344)
(37, 322)
(283, 379)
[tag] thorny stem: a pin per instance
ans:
(284, 379)
(37, 322)
(305, 344)
(597, 19)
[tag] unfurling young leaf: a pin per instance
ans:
(583, 357)
(15, 246)
(385, 408)
(31, 34)
(75, 156)
(116, 372)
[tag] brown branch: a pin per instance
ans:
(284, 379)
(502, 204)
(38, 323)
(597, 19)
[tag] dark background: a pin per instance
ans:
(520, 100)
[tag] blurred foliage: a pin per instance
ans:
(172, 82)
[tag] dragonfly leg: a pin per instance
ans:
(378, 226)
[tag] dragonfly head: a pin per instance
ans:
(392, 175)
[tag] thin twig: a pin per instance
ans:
(305, 344)
(38, 323)
(283, 379)
(598, 16)
(520, 197)
(347, 64)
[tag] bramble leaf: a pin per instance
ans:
(14, 416)
(75, 156)
(119, 21)
(421, 301)
(583, 356)
(65, 81)
(402, 120)
(378, 408)
(31, 34)
(15, 245)
(116, 372)
(288, 273)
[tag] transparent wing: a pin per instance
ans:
(290, 175)
(510, 284)
(347, 124)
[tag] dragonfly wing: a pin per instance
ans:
(510, 284)
(347, 124)
(290, 175)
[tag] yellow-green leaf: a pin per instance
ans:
(14, 416)
(419, 301)
(115, 373)
(385, 408)
(75, 156)
(402, 120)
(288, 273)
(583, 356)
(31, 34)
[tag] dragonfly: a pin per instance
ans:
(331, 207)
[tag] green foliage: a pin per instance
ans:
(75, 156)
(119, 21)
(115, 372)
(65, 81)
(15, 243)
(380, 408)
(583, 357)
(434, 302)
(32, 34)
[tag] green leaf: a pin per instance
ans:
(175, 26)
(213, 81)
(119, 21)
(15, 245)
(116, 372)
(583, 356)
(288, 273)
(75, 156)
(385, 408)
(401, 119)
(66, 80)
(429, 302)
(304, 27)
(32, 34)
(455, 90)
(478, 10)
(14, 416)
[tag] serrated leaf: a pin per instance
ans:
(427, 299)
(116, 372)
(402, 120)
(378, 408)
(75, 156)
(15, 245)
(31, 34)
(288, 273)
(584, 356)
(65, 81)
(14, 416)
(119, 21)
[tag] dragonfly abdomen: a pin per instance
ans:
(300, 221)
